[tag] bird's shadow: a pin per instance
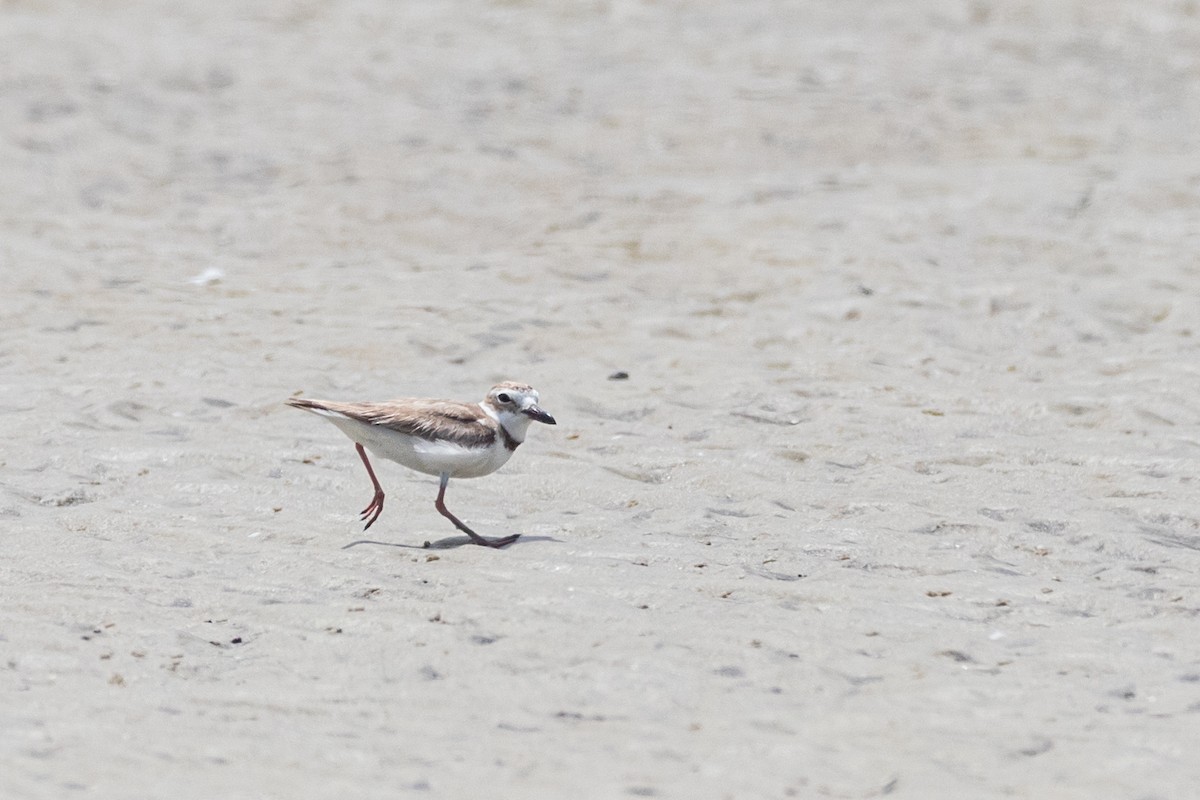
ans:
(449, 543)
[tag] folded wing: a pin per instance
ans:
(460, 423)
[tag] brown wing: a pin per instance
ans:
(461, 423)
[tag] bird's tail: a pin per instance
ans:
(306, 404)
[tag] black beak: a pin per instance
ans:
(533, 412)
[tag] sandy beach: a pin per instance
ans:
(899, 497)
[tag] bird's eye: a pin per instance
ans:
(503, 398)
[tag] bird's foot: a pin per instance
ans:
(373, 510)
(503, 541)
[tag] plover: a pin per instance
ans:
(438, 437)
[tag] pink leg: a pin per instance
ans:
(376, 506)
(475, 537)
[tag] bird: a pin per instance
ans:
(446, 438)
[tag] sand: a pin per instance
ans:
(899, 497)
